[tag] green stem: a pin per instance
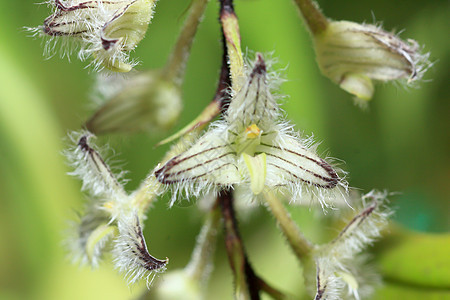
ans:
(204, 249)
(301, 246)
(176, 65)
(246, 287)
(314, 18)
(230, 28)
(216, 106)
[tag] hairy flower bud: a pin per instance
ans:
(144, 101)
(106, 30)
(353, 54)
(340, 264)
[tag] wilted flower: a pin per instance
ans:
(340, 264)
(353, 54)
(251, 147)
(106, 30)
(112, 220)
(141, 102)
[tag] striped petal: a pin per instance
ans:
(254, 103)
(211, 160)
(77, 19)
(293, 162)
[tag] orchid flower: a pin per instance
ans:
(338, 264)
(112, 220)
(252, 147)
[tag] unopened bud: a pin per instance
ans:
(145, 102)
(352, 55)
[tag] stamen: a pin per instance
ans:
(253, 132)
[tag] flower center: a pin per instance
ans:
(252, 132)
(256, 163)
(248, 140)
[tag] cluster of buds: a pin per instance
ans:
(250, 155)
(251, 151)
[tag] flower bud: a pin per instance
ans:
(353, 54)
(144, 101)
(106, 30)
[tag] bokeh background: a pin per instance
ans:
(401, 143)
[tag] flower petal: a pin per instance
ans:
(364, 228)
(88, 237)
(293, 162)
(131, 254)
(211, 159)
(89, 166)
(66, 20)
(329, 286)
(257, 169)
(254, 103)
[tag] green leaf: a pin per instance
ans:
(398, 291)
(416, 259)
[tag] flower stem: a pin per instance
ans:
(176, 65)
(198, 266)
(301, 246)
(230, 28)
(274, 293)
(314, 18)
(245, 285)
(219, 103)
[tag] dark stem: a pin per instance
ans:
(223, 96)
(218, 105)
(276, 294)
(242, 270)
(226, 5)
(230, 29)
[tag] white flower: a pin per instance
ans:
(106, 30)
(340, 264)
(253, 148)
(111, 220)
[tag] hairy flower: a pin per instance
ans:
(105, 30)
(251, 147)
(352, 55)
(112, 218)
(340, 264)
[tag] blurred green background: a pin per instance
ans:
(402, 143)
